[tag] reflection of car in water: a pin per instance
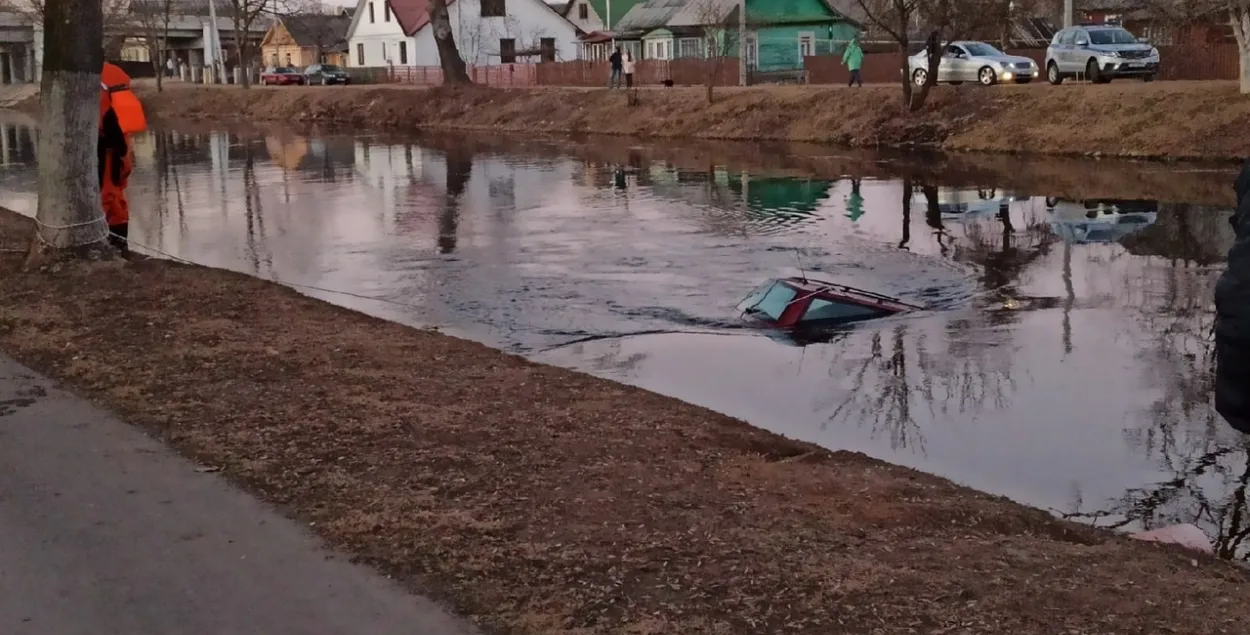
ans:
(808, 309)
(1100, 220)
(956, 202)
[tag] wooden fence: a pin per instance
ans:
(1182, 62)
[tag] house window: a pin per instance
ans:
(583, 12)
(371, 20)
(805, 45)
(360, 54)
(507, 49)
(386, 11)
(752, 51)
(547, 49)
(403, 53)
(494, 9)
(689, 47)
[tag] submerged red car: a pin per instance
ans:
(803, 303)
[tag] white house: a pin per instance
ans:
(487, 32)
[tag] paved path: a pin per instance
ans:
(104, 532)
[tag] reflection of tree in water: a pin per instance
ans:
(459, 170)
(254, 213)
(1208, 467)
(901, 378)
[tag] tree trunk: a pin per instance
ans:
(158, 64)
(933, 59)
(454, 70)
(1240, 21)
(905, 64)
(70, 212)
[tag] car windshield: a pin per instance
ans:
(329, 67)
(770, 299)
(1111, 36)
(981, 49)
(281, 70)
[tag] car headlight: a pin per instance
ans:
(1154, 52)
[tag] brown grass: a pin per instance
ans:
(1126, 119)
(539, 500)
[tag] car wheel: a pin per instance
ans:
(920, 76)
(1148, 78)
(987, 76)
(1092, 73)
(325, 81)
(1053, 75)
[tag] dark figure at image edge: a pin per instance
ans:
(1232, 326)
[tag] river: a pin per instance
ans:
(1065, 361)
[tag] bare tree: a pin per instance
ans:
(69, 212)
(454, 70)
(942, 21)
(718, 23)
(114, 12)
(244, 16)
(152, 17)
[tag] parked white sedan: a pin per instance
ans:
(974, 62)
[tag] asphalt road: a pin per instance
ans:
(103, 531)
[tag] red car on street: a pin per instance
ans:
(281, 76)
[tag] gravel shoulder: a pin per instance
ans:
(538, 500)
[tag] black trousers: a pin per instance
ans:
(855, 78)
(118, 237)
(629, 80)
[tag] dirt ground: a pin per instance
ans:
(539, 500)
(1126, 119)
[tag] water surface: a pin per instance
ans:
(1066, 361)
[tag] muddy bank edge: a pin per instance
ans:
(1166, 120)
(539, 500)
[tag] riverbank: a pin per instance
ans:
(536, 500)
(1167, 120)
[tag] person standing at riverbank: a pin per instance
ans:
(853, 57)
(121, 115)
(1232, 322)
(627, 66)
(614, 81)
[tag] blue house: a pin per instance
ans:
(780, 33)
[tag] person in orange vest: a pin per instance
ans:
(121, 115)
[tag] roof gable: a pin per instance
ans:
(316, 29)
(414, 15)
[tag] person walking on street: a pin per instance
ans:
(615, 60)
(853, 57)
(627, 66)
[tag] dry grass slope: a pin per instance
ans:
(538, 500)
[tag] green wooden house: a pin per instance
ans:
(780, 32)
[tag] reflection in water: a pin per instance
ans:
(1055, 325)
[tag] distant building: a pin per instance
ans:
(303, 40)
(487, 32)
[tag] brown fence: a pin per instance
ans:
(1181, 62)
(689, 72)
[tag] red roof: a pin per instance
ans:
(412, 15)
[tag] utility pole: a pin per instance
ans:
(218, 64)
(69, 212)
(742, 42)
(1067, 13)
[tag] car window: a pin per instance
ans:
(329, 67)
(981, 49)
(1082, 37)
(1111, 36)
(312, 69)
(1067, 37)
(771, 301)
(821, 309)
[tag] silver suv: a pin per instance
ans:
(1101, 53)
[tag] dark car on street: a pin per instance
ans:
(326, 74)
(806, 308)
(281, 76)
